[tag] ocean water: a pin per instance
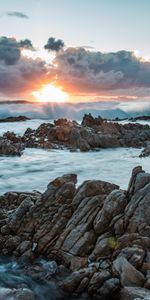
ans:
(37, 167)
(20, 127)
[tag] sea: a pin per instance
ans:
(37, 167)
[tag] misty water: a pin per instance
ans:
(36, 168)
(29, 277)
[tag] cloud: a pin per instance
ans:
(54, 45)
(17, 14)
(140, 106)
(84, 71)
(19, 75)
(26, 44)
(20, 79)
(87, 74)
(9, 50)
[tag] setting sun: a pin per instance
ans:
(50, 93)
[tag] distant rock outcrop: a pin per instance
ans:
(140, 118)
(100, 233)
(14, 119)
(93, 133)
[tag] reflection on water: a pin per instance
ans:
(37, 167)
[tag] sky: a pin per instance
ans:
(107, 25)
(104, 55)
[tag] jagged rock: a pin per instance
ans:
(113, 205)
(93, 133)
(101, 234)
(89, 120)
(10, 144)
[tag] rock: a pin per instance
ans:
(16, 294)
(97, 280)
(78, 263)
(10, 144)
(90, 121)
(110, 287)
(137, 211)
(14, 119)
(146, 151)
(114, 204)
(140, 118)
(135, 255)
(134, 293)
(97, 233)
(128, 274)
(102, 249)
(72, 282)
(93, 133)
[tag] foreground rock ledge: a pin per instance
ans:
(100, 233)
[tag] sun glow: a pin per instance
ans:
(50, 93)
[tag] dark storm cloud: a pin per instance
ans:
(54, 45)
(85, 71)
(17, 14)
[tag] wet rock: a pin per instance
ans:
(93, 133)
(146, 151)
(16, 294)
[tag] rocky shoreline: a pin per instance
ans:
(98, 235)
(91, 134)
